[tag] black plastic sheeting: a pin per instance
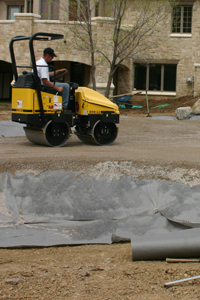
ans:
(160, 217)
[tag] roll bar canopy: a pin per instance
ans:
(39, 36)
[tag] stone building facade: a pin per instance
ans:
(170, 69)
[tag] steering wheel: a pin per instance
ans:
(60, 77)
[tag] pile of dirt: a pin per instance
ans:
(162, 107)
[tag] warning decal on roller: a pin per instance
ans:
(19, 103)
(57, 105)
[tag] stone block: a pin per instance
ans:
(183, 112)
(196, 108)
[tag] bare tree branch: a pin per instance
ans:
(123, 40)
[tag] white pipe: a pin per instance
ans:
(181, 280)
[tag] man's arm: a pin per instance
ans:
(56, 72)
(50, 84)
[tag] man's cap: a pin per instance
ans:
(49, 51)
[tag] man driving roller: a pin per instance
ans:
(44, 75)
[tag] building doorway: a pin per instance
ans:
(6, 76)
(77, 73)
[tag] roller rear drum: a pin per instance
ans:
(52, 134)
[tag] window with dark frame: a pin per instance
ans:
(78, 10)
(140, 77)
(169, 78)
(55, 10)
(97, 9)
(83, 10)
(73, 10)
(182, 19)
(29, 6)
(12, 9)
(155, 77)
(50, 11)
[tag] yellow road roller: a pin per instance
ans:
(93, 116)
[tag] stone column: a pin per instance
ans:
(64, 10)
(24, 23)
(36, 7)
(196, 84)
(103, 34)
(24, 27)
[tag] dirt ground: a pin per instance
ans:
(145, 148)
